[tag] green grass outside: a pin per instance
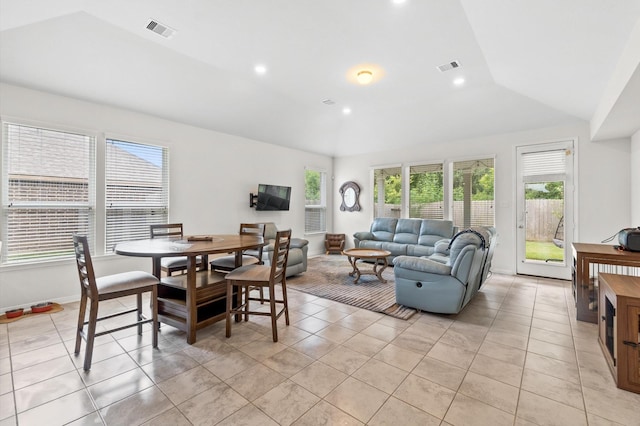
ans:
(543, 250)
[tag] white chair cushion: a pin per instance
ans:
(125, 281)
(177, 262)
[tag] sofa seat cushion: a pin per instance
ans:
(418, 250)
(371, 244)
(395, 248)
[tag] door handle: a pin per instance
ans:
(628, 343)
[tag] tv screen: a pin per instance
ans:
(273, 197)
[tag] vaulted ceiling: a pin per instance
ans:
(526, 64)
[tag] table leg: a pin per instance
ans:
(378, 272)
(192, 314)
(355, 271)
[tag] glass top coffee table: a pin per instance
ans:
(379, 256)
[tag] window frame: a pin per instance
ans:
(5, 204)
(323, 201)
(163, 207)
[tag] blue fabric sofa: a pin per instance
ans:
(405, 237)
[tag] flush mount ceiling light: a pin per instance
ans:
(346, 110)
(364, 77)
(365, 74)
(458, 81)
(260, 69)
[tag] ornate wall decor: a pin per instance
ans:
(350, 192)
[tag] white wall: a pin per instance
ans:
(602, 175)
(211, 176)
(635, 180)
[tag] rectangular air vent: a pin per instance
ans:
(449, 66)
(161, 29)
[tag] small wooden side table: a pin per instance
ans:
(334, 243)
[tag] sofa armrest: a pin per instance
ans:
(422, 264)
(298, 243)
(442, 246)
(295, 243)
(363, 235)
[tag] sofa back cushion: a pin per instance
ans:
(432, 230)
(383, 228)
(407, 231)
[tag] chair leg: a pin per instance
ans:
(81, 314)
(261, 295)
(274, 314)
(229, 301)
(155, 325)
(285, 302)
(91, 333)
(139, 313)
(247, 294)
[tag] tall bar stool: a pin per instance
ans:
(107, 288)
(251, 276)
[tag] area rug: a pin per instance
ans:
(327, 276)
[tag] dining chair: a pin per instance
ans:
(250, 276)
(249, 257)
(177, 263)
(106, 288)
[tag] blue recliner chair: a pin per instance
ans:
(449, 280)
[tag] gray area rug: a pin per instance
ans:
(327, 276)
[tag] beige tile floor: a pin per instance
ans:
(515, 356)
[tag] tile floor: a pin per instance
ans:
(515, 356)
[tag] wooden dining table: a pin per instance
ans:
(196, 298)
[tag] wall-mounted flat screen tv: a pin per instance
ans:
(273, 197)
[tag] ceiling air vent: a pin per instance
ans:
(449, 66)
(161, 29)
(329, 102)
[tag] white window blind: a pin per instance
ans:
(48, 192)
(137, 190)
(473, 193)
(315, 209)
(544, 166)
(426, 191)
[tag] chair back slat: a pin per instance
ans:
(169, 230)
(256, 229)
(280, 255)
(84, 263)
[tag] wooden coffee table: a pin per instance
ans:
(356, 254)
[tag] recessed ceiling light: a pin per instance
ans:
(260, 69)
(398, 1)
(458, 81)
(346, 110)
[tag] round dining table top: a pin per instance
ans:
(188, 245)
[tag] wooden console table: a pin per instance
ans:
(619, 328)
(588, 261)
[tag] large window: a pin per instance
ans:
(426, 191)
(387, 192)
(136, 190)
(48, 192)
(315, 209)
(473, 193)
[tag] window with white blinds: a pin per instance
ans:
(544, 166)
(48, 187)
(387, 192)
(315, 208)
(137, 190)
(426, 191)
(473, 193)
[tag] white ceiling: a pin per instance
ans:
(527, 64)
